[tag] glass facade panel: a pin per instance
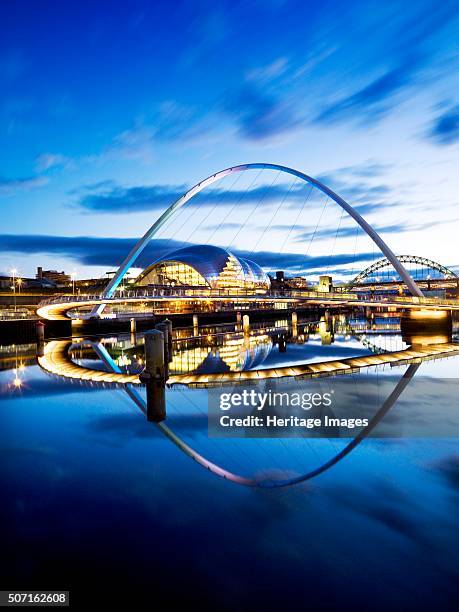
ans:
(174, 273)
(206, 266)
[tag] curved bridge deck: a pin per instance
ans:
(58, 308)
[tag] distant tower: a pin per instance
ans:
(325, 284)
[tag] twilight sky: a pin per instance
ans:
(110, 110)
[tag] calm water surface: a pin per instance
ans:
(96, 498)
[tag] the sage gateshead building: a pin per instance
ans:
(206, 266)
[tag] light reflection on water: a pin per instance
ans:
(92, 488)
(222, 348)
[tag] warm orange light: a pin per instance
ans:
(429, 314)
(426, 340)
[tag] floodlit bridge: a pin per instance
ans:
(208, 286)
(367, 275)
(218, 290)
(429, 275)
(187, 301)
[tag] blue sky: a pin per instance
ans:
(110, 110)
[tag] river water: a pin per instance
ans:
(97, 500)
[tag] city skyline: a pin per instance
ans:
(106, 121)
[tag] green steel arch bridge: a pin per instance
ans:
(428, 264)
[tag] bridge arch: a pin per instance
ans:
(142, 243)
(382, 263)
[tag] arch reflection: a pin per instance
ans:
(113, 373)
(266, 482)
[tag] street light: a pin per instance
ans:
(13, 274)
(73, 275)
(19, 284)
(17, 382)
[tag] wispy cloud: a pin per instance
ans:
(445, 127)
(260, 115)
(265, 74)
(11, 186)
(111, 251)
(353, 230)
(107, 197)
(111, 198)
(410, 51)
(136, 143)
(299, 262)
(275, 98)
(84, 249)
(369, 169)
(48, 161)
(373, 99)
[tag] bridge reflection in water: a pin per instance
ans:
(224, 354)
(228, 354)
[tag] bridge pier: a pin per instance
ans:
(326, 332)
(195, 325)
(133, 327)
(163, 328)
(40, 329)
(168, 323)
(154, 376)
(294, 324)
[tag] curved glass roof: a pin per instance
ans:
(210, 261)
(253, 270)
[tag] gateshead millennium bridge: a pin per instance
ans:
(383, 313)
(166, 302)
(202, 279)
(216, 280)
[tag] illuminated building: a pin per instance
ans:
(59, 278)
(325, 284)
(208, 267)
(233, 354)
(296, 282)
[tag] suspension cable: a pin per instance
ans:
(261, 199)
(317, 225)
(305, 201)
(234, 205)
(273, 217)
(217, 203)
(334, 242)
